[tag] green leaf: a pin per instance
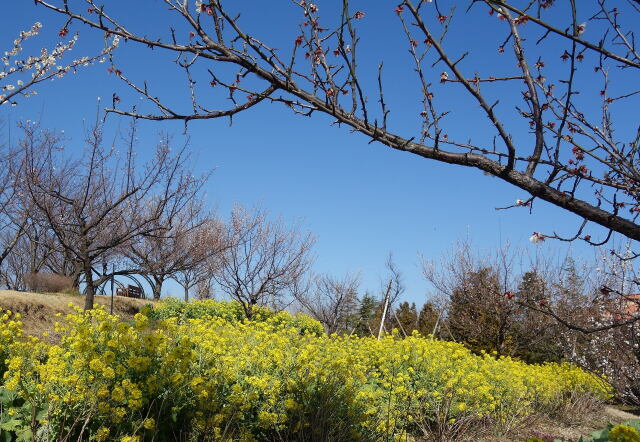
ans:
(601, 435)
(5, 436)
(7, 396)
(635, 423)
(11, 425)
(42, 415)
(24, 435)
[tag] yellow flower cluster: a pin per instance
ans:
(212, 378)
(624, 433)
(10, 331)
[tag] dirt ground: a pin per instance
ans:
(39, 310)
(549, 430)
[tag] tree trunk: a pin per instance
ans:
(156, 287)
(248, 308)
(90, 291)
(186, 293)
(77, 272)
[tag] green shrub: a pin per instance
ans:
(232, 312)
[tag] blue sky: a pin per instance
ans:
(362, 201)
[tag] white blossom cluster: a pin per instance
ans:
(19, 74)
(616, 352)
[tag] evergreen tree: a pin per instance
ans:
(406, 318)
(367, 316)
(536, 336)
(427, 319)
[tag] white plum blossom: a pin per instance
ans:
(581, 28)
(537, 237)
(47, 65)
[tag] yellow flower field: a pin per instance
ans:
(215, 377)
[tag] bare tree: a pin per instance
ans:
(333, 301)
(20, 73)
(36, 250)
(391, 289)
(13, 213)
(204, 247)
(553, 92)
(205, 289)
(264, 261)
(159, 255)
(102, 201)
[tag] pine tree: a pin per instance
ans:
(406, 318)
(427, 319)
(368, 316)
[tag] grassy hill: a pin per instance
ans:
(39, 310)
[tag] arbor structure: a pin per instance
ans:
(550, 83)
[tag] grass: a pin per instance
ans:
(39, 310)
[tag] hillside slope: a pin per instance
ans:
(39, 310)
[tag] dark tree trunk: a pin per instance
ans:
(90, 290)
(77, 272)
(156, 287)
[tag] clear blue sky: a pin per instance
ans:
(362, 200)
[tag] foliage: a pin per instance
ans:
(625, 432)
(367, 315)
(10, 330)
(231, 312)
(215, 377)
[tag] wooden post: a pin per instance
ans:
(113, 270)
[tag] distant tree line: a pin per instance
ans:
(505, 304)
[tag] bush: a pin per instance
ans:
(231, 311)
(217, 379)
(48, 282)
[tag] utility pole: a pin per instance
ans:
(384, 310)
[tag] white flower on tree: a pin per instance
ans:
(34, 69)
(537, 237)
